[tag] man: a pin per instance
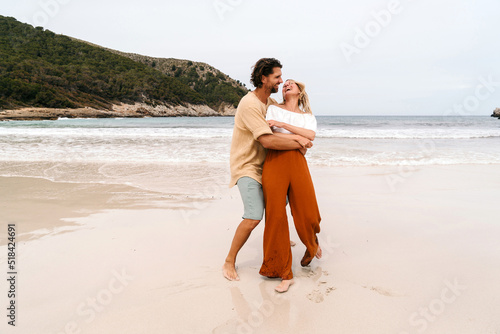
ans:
(251, 137)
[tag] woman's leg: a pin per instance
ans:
(304, 207)
(275, 182)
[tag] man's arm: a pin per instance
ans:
(282, 141)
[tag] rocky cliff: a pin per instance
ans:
(44, 75)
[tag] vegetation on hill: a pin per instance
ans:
(41, 69)
(212, 84)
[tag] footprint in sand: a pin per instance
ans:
(318, 275)
(381, 291)
(330, 289)
(316, 296)
(310, 273)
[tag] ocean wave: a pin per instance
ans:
(117, 132)
(409, 134)
(173, 141)
(339, 161)
(207, 133)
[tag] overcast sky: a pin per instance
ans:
(357, 57)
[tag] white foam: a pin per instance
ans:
(117, 132)
(355, 142)
(409, 133)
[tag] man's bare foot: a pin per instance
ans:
(229, 271)
(284, 285)
(319, 253)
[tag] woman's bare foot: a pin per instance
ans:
(229, 271)
(284, 285)
(308, 257)
(292, 243)
(319, 253)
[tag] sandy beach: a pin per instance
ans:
(405, 251)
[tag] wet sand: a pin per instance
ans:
(405, 251)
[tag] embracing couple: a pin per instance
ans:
(268, 165)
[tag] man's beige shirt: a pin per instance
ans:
(247, 154)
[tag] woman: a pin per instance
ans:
(286, 173)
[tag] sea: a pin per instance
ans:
(164, 153)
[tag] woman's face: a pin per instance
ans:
(290, 88)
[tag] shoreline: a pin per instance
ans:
(53, 205)
(117, 260)
(137, 110)
(132, 111)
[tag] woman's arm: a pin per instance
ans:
(309, 134)
(303, 141)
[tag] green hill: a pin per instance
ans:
(41, 69)
(215, 86)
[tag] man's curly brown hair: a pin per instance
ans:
(263, 67)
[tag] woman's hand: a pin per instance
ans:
(272, 123)
(304, 142)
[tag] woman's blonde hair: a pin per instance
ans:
(303, 97)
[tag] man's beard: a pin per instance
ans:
(274, 90)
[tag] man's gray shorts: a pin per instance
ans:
(253, 198)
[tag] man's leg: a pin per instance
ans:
(253, 202)
(240, 237)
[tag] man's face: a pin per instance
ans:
(272, 81)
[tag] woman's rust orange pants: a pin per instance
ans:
(286, 173)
